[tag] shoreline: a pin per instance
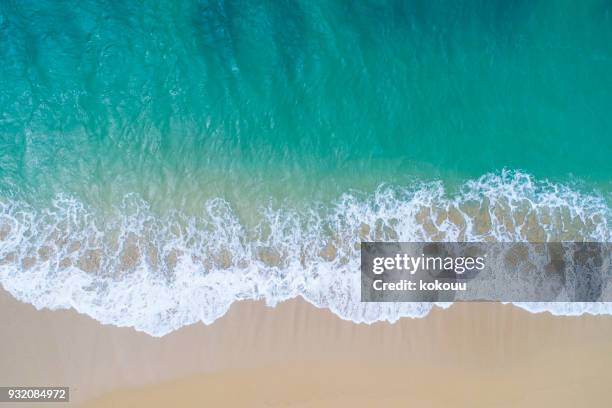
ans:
(472, 354)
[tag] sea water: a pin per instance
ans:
(161, 160)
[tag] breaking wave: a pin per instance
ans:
(158, 273)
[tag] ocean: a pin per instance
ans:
(162, 160)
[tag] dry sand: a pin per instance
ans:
(471, 355)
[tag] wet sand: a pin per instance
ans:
(471, 355)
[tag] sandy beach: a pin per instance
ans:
(471, 355)
(172, 172)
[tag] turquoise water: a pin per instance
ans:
(281, 97)
(140, 139)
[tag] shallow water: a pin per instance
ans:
(159, 161)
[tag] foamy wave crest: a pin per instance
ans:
(159, 273)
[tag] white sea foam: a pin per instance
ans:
(157, 274)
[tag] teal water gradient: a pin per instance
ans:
(247, 100)
(160, 160)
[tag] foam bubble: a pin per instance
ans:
(158, 273)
